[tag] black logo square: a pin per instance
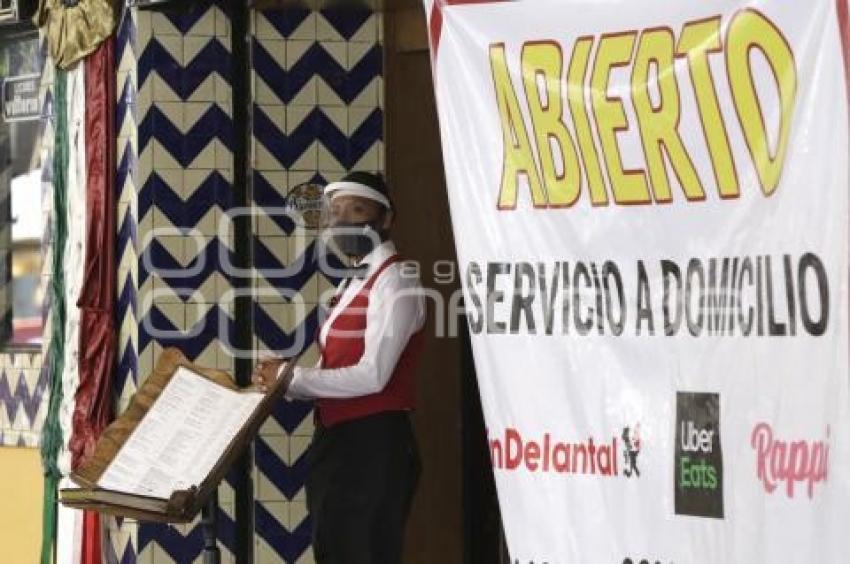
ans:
(698, 455)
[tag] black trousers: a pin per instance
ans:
(362, 477)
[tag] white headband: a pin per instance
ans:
(347, 188)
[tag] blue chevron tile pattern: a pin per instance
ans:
(120, 535)
(126, 376)
(23, 379)
(317, 83)
(23, 394)
(178, 184)
(317, 114)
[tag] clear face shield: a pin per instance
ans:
(350, 226)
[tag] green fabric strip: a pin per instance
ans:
(51, 436)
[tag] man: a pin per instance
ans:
(363, 462)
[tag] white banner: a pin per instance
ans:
(650, 203)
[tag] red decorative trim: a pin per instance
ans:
(436, 24)
(844, 30)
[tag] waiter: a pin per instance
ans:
(363, 462)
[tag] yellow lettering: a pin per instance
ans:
(544, 60)
(659, 126)
(581, 121)
(698, 39)
(628, 187)
(518, 156)
(749, 30)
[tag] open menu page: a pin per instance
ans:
(180, 439)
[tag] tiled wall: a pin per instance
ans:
(317, 113)
(122, 535)
(23, 379)
(176, 191)
(318, 87)
(23, 399)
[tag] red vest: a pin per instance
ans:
(344, 346)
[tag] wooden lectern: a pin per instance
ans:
(183, 505)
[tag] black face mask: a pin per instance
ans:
(356, 239)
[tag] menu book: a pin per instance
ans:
(163, 457)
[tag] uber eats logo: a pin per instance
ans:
(699, 458)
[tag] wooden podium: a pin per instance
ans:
(182, 505)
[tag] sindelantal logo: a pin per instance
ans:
(613, 456)
(631, 450)
(698, 456)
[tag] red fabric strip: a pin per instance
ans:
(93, 409)
(98, 341)
(91, 552)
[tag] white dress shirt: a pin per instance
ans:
(396, 311)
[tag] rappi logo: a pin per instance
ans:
(789, 461)
(513, 452)
(698, 457)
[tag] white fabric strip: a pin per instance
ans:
(74, 257)
(335, 189)
(69, 531)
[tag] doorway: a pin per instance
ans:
(455, 516)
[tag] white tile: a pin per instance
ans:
(276, 48)
(223, 92)
(262, 28)
(309, 159)
(338, 50)
(205, 91)
(192, 112)
(162, 26)
(308, 95)
(338, 115)
(307, 29)
(173, 44)
(173, 111)
(263, 159)
(297, 514)
(368, 31)
(263, 93)
(325, 31)
(295, 116)
(206, 159)
(161, 91)
(369, 161)
(369, 95)
(205, 26)
(276, 113)
(222, 24)
(356, 52)
(327, 96)
(327, 160)
(295, 50)
(192, 46)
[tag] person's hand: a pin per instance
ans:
(265, 373)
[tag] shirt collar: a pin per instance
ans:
(376, 258)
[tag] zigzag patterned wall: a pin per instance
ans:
(23, 380)
(317, 110)
(180, 185)
(317, 113)
(122, 535)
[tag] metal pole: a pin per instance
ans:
(243, 254)
(209, 526)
